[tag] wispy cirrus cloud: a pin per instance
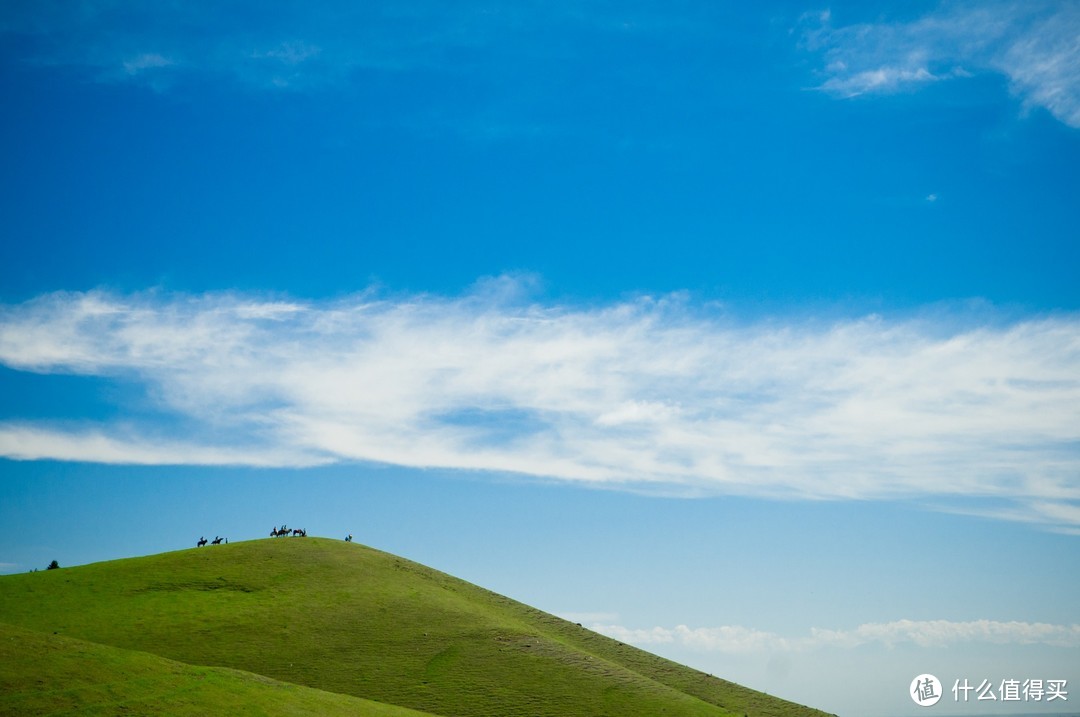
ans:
(299, 45)
(923, 633)
(1033, 44)
(290, 44)
(146, 61)
(652, 393)
(122, 445)
(593, 617)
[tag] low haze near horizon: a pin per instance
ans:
(749, 335)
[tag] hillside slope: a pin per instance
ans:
(44, 674)
(345, 618)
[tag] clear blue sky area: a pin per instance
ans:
(746, 333)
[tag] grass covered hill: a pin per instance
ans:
(45, 674)
(347, 619)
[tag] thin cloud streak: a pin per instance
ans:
(922, 633)
(29, 443)
(1033, 44)
(648, 393)
(298, 45)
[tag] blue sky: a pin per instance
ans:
(746, 334)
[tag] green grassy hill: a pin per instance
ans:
(347, 619)
(42, 674)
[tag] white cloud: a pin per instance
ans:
(293, 44)
(290, 53)
(1044, 66)
(926, 633)
(146, 61)
(729, 638)
(582, 617)
(1034, 44)
(643, 393)
(35, 443)
(881, 79)
(942, 633)
(637, 412)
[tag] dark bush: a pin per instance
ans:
(53, 565)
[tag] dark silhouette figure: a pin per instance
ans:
(202, 542)
(53, 566)
(216, 541)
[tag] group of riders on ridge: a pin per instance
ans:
(275, 533)
(284, 530)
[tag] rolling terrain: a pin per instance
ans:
(338, 618)
(43, 674)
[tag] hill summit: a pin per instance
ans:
(335, 620)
